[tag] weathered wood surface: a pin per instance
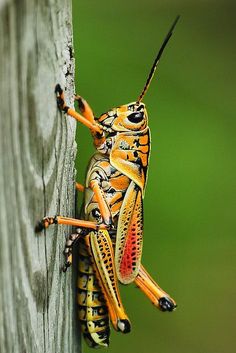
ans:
(37, 151)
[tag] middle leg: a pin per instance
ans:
(48, 221)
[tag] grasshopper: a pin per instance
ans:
(110, 233)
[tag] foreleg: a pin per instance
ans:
(87, 117)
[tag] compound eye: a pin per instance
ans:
(136, 117)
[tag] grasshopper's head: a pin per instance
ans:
(133, 116)
(127, 117)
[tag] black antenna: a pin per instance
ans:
(154, 66)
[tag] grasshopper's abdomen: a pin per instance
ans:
(93, 313)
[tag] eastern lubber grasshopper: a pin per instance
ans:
(110, 233)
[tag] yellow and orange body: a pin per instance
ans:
(110, 233)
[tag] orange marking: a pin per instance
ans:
(115, 208)
(120, 183)
(104, 164)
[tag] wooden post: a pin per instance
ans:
(37, 152)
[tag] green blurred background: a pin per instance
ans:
(189, 238)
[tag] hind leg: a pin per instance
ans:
(151, 289)
(100, 248)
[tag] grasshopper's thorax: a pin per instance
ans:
(127, 140)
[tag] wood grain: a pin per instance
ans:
(37, 152)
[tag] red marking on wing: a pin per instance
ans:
(129, 236)
(131, 252)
